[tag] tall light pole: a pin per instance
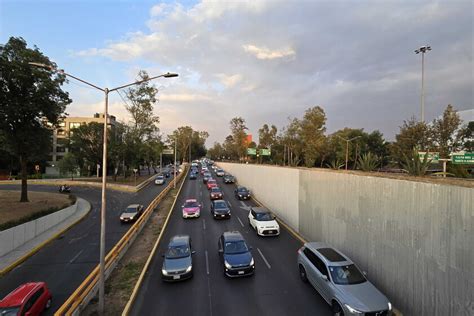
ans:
(104, 166)
(423, 50)
(174, 169)
(347, 146)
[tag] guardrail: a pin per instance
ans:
(90, 286)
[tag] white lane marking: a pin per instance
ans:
(200, 193)
(240, 221)
(229, 203)
(264, 259)
(243, 203)
(207, 263)
(204, 224)
(210, 296)
(76, 256)
(77, 238)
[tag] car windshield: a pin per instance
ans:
(160, 177)
(131, 210)
(211, 181)
(264, 217)
(234, 247)
(242, 190)
(346, 275)
(216, 190)
(191, 204)
(220, 204)
(9, 311)
(176, 252)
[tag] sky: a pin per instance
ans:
(265, 61)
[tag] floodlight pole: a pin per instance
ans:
(423, 50)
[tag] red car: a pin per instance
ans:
(29, 299)
(211, 183)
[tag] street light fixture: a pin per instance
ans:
(423, 50)
(104, 166)
(347, 146)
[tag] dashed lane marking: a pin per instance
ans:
(264, 259)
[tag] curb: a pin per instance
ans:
(44, 243)
(126, 310)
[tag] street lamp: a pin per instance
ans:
(347, 146)
(104, 166)
(423, 50)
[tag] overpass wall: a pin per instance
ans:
(415, 240)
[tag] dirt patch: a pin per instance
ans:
(13, 213)
(121, 282)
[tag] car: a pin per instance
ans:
(263, 221)
(211, 183)
(192, 176)
(235, 255)
(242, 193)
(220, 209)
(31, 299)
(220, 172)
(229, 178)
(206, 177)
(204, 170)
(178, 260)
(216, 193)
(167, 174)
(339, 281)
(191, 208)
(131, 213)
(160, 180)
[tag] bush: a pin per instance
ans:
(368, 162)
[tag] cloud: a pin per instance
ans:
(265, 53)
(267, 60)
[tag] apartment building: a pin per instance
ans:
(59, 138)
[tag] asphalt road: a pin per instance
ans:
(65, 262)
(274, 289)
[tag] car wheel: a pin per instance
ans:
(337, 310)
(303, 276)
(48, 303)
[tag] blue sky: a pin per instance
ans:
(262, 60)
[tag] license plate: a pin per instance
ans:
(240, 272)
(222, 215)
(176, 277)
(270, 231)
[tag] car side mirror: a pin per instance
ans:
(324, 277)
(221, 251)
(200, 205)
(250, 247)
(182, 205)
(193, 252)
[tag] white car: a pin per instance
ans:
(160, 180)
(263, 221)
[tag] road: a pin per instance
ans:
(65, 262)
(275, 289)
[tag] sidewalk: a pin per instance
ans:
(15, 257)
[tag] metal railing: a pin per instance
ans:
(89, 287)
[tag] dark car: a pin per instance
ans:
(167, 174)
(229, 178)
(235, 255)
(178, 261)
(242, 193)
(131, 213)
(219, 209)
(216, 193)
(28, 299)
(192, 176)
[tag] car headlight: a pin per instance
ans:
(389, 306)
(227, 265)
(189, 269)
(121, 217)
(252, 262)
(164, 272)
(352, 310)
(240, 195)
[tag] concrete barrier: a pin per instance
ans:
(414, 239)
(14, 237)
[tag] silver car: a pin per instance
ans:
(340, 282)
(178, 261)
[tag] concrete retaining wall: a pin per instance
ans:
(415, 240)
(14, 237)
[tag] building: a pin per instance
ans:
(61, 134)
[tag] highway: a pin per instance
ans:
(65, 262)
(274, 289)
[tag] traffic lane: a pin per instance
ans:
(156, 297)
(66, 261)
(277, 255)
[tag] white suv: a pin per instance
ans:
(263, 221)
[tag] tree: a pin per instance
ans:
(68, 165)
(467, 137)
(86, 143)
(312, 134)
(30, 96)
(267, 137)
(292, 142)
(367, 162)
(446, 132)
(239, 135)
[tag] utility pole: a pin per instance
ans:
(174, 169)
(347, 147)
(423, 50)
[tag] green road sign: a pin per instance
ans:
(433, 157)
(463, 159)
(265, 152)
(168, 151)
(251, 151)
